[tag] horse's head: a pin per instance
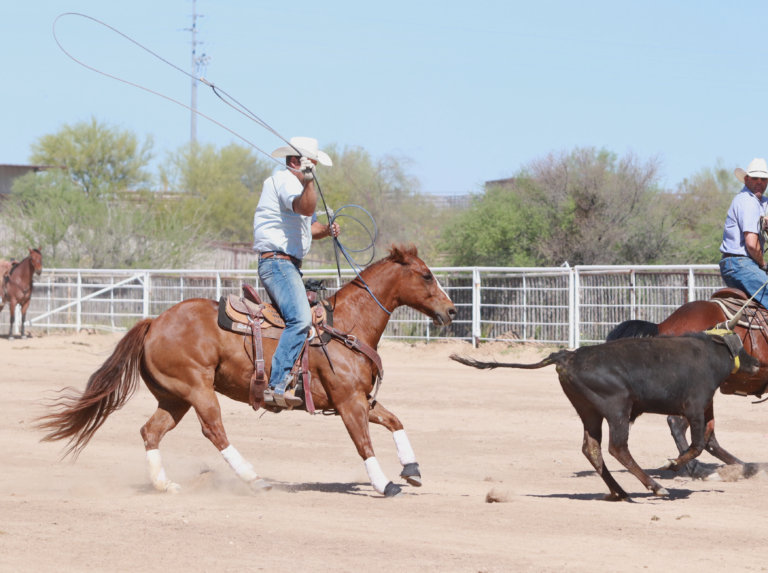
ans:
(37, 260)
(419, 288)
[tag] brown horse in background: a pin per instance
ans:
(18, 285)
(701, 315)
(184, 358)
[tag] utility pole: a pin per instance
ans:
(198, 63)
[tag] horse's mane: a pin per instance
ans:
(398, 253)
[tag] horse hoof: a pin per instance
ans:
(411, 474)
(259, 485)
(661, 492)
(172, 488)
(392, 490)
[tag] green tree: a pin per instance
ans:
(702, 201)
(219, 188)
(496, 230)
(583, 207)
(88, 210)
(386, 192)
(99, 158)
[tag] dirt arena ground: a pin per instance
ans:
(506, 487)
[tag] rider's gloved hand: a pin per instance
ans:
(307, 168)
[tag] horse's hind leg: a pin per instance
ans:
(209, 413)
(165, 418)
(380, 415)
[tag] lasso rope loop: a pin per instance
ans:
(243, 110)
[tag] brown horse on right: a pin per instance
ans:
(701, 315)
(17, 287)
(184, 358)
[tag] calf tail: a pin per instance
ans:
(553, 358)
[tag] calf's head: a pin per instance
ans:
(742, 360)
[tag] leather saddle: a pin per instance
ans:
(249, 315)
(754, 320)
(731, 300)
(236, 313)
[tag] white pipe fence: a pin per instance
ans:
(566, 306)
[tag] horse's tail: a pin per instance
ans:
(76, 416)
(634, 329)
(553, 358)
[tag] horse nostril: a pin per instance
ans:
(452, 311)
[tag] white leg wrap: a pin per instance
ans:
(404, 449)
(378, 480)
(242, 468)
(156, 470)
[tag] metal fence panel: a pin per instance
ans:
(567, 306)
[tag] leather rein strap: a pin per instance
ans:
(258, 378)
(352, 342)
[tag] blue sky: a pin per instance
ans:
(463, 91)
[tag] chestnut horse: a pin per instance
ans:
(17, 287)
(184, 358)
(702, 315)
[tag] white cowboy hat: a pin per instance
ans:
(756, 168)
(307, 146)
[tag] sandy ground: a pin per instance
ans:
(508, 436)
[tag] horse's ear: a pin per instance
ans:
(396, 254)
(399, 253)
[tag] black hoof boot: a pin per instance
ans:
(411, 474)
(392, 490)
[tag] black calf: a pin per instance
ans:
(619, 380)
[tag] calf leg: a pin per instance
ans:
(380, 415)
(593, 435)
(702, 427)
(618, 440)
(678, 426)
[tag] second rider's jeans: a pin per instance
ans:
(743, 273)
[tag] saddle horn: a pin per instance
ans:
(729, 325)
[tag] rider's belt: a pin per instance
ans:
(279, 255)
(726, 255)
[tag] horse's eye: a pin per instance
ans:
(427, 277)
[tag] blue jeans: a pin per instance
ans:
(282, 281)
(743, 273)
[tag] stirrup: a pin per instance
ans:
(287, 399)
